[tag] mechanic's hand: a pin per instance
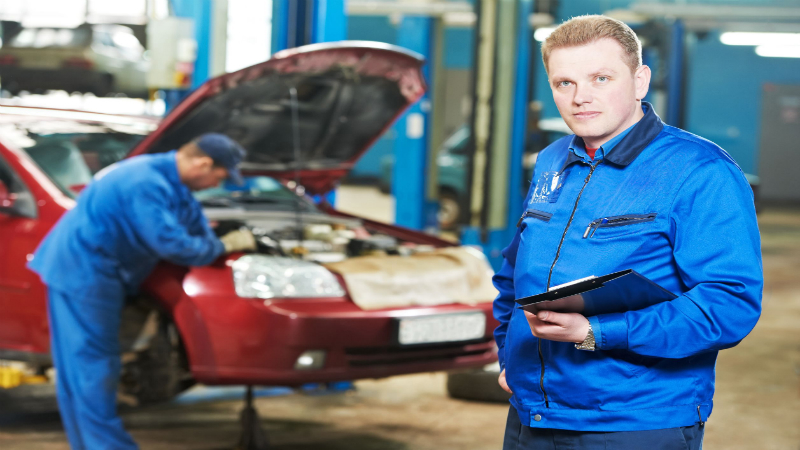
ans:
(502, 381)
(561, 327)
(238, 240)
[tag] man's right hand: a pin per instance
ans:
(502, 381)
(238, 240)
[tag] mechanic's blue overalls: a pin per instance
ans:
(124, 223)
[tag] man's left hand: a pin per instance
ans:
(561, 327)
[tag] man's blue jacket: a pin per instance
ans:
(675, 208)
(124, 223)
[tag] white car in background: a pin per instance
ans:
(100, 59)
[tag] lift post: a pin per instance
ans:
(253, 436)
(500, 107)
(294, 23)
(414, 207)
(303, 22)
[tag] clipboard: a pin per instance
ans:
(626, 290)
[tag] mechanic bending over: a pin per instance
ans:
(134, 213)
(625, 192)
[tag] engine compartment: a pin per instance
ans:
(318, 237)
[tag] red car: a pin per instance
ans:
(284, 315)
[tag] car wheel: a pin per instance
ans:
(104, 86)
(12, 88)
(451, 211)
(155, 367)
(477, 385)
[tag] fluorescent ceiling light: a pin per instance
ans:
(748, 38)
(542, 33)
(460, 19)
(779, 51)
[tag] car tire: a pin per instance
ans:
(12, 88)
(158, 372)
(104, 86)
(451, 211)
(476, 385)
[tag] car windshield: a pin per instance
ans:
(257, 192)
(70, 153)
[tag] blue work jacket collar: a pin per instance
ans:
(171, 172)
(631, 145)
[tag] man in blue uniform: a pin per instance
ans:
(625, 192)
(134, 214)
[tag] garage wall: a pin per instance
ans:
(725, 95)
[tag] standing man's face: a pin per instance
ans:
(595, 91)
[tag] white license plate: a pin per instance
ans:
(442, 328)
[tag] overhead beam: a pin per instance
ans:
(454, 14)
(717, 12)
(430, 9)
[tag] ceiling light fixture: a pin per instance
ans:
(750, 38)
(779, 51)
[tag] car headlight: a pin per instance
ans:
(258, 276)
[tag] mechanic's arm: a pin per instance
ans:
(199, 225)
(504, 304)
(161, 231)
(717, 250)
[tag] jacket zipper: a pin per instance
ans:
(616, 222)
(550, 275)
(541, 215)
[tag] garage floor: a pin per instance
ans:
(757, 401)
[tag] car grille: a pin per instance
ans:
(377, 356)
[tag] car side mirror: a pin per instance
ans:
(7, 198)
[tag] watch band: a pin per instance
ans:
(588, 342)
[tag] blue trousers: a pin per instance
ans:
(521, 437)
(84, 334)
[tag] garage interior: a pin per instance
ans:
(452, 168)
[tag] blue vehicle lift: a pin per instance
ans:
(500, 112)
(201, 12)
(295, 23)
(303, 22)
(415, 205)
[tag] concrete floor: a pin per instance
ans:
(757, 406)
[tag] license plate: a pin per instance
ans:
(441, 328)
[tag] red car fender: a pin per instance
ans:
(165, 285)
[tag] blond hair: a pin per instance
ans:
(586, 29)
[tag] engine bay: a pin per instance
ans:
(317, 237)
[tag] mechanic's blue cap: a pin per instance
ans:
(225, 152)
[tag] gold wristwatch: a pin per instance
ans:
(588, 342)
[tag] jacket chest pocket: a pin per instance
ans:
(536, 214)
(615, 226)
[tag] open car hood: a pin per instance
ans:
(348, 94)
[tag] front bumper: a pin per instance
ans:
(244, 341)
